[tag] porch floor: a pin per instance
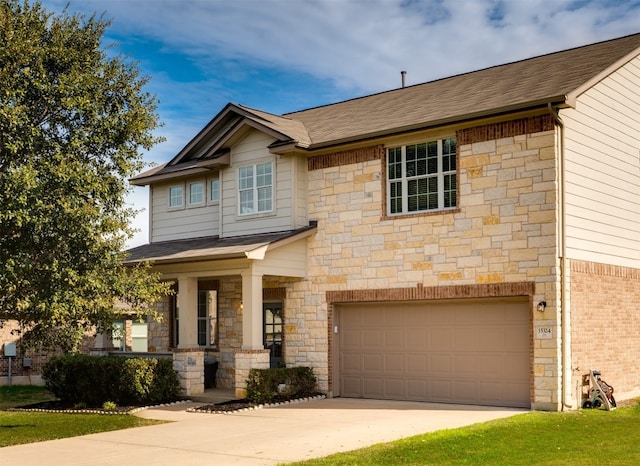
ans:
(214, 395)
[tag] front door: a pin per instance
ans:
(273, 332)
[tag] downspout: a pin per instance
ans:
(564, 318)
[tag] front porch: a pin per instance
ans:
(228, 307)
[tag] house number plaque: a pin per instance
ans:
(544, 333)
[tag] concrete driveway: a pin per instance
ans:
(267, 436)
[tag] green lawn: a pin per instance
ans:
(18, 427)
(21, 395)
(580, 437)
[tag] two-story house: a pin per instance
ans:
(474, 239)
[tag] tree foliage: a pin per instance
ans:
(73, 120)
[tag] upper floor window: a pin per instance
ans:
(255, 188)
(196, 193)
(176, 196)
(421, 177)
(214, 190)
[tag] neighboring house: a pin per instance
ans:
(473, 239)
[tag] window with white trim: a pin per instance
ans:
(255, 189)
(207, 318)
(196, 193)
(176, 196)
(214, 190)
(421, 177)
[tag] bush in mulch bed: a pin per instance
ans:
(83, 380)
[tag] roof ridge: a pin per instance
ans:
(444, 78)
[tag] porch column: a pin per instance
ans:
(187, 312)
(252, 311)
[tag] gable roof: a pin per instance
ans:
(556, 79)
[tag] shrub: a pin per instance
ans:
(280, 384)
(94, 380)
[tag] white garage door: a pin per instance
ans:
(460, 352)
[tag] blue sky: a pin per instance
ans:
(287, 55)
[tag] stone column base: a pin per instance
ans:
(189, 364)
(245, 360)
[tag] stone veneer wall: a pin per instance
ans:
(605, 305)
(159, 334)
(189, 364)
(230, 330)
(504, 230)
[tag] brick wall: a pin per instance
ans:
(605, 324)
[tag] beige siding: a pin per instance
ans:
(603, 171)
(253, 149)
(187, 222)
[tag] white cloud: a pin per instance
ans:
(355, 47)
(364, 44)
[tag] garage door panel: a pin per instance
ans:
(351, 386)
(416, 338)
(394, 363)
(465, 365)
(492, 365)
(475, 352)
(516, 335)
(395, 388)
(351, 362)
(394, 338)
(372, 363)
(372, 337)
(512, 393)
(441, 390)
(352, 338)
(464, 391)
(417, 389)
(372, 387)
(465, 338)
(440, 364)
(417, 363)
(514, 369)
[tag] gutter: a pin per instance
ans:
(565, 347)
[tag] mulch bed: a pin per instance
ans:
(225, 407)
(58, 406)
(233, 406)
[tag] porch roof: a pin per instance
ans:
(214, 247)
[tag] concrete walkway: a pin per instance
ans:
(267, 436)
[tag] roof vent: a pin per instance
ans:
(404, 78)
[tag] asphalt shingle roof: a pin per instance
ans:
(518, 85)
(210, 247)
(514, 86)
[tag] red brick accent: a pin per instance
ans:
(605, 323)
(419, 293)
(347, 157)
(274, 294)
(505, 129)
(251, 351)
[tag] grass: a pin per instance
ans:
(12, 396)
(18, 427)
(541, 438)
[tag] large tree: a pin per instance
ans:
(73, 122)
